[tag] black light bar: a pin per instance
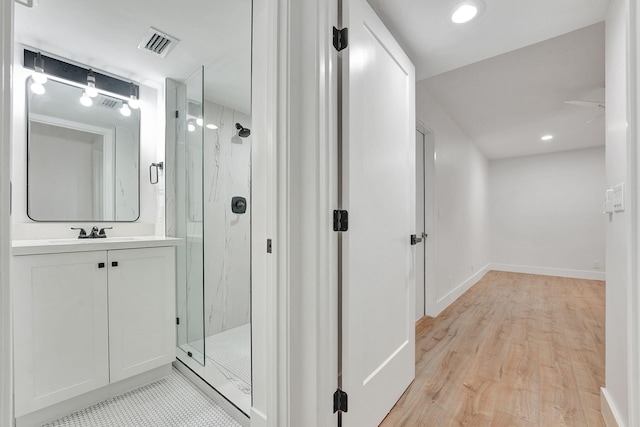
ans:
(63, 70)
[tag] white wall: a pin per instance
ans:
(617, 225)
(546, 213)
(152, 138)
(58, 158)
(462, 224)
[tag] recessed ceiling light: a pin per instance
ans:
(464, 13)
(547, 138)
(466, 10)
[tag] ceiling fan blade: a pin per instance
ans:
(588, 104)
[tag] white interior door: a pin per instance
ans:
(378, 190)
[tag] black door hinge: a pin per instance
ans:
(269, 246)
(340, 220)
(177, 320)
(340, 401)
(340, 38)
(177, 114)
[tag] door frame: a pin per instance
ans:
(633, 195)
(294, 175)
(6, 339)
(430, 296)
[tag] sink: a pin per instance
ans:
(100, 240)
(69, 240)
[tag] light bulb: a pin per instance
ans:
(134, 102)
(39, 77)
(191, 127)
(212, 126)
(464, 13)
(125, 110)
(37, 88)
(91, 90)
(199, 121)
(86, 100)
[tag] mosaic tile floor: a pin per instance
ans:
(170, 402)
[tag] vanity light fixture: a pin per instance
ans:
(86, 78)
(546, 138)
(86, 100)
(91, 84)
(191, 127)
(466, 11)
(211, 126)
(125, 110)
(134, 102)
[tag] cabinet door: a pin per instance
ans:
(141, 310)
(60, 327)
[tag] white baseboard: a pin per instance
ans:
(457, 292)
(609, 411)
(546, 271)
(258, 419)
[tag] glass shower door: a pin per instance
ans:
(189, 224)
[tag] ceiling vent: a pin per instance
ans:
(107, 102)
(157, 42)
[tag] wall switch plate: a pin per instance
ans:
(608, 201)
(618, 198)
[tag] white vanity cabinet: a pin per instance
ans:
(86, 319)
(61, 327)
(142, 319)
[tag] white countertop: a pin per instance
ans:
(55, 246)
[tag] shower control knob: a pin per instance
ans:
(238, 205)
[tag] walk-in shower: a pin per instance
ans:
(208, 193)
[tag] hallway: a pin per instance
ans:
(515, 350)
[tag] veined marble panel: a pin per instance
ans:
(227, 235)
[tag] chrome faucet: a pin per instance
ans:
(95, 234)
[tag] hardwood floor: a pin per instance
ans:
(515, 350)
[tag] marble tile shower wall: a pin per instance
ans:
(227, 173)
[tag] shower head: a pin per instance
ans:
(243, 132)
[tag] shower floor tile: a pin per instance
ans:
(230, 351)
(170, 402)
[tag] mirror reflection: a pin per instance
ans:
(83, 155)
